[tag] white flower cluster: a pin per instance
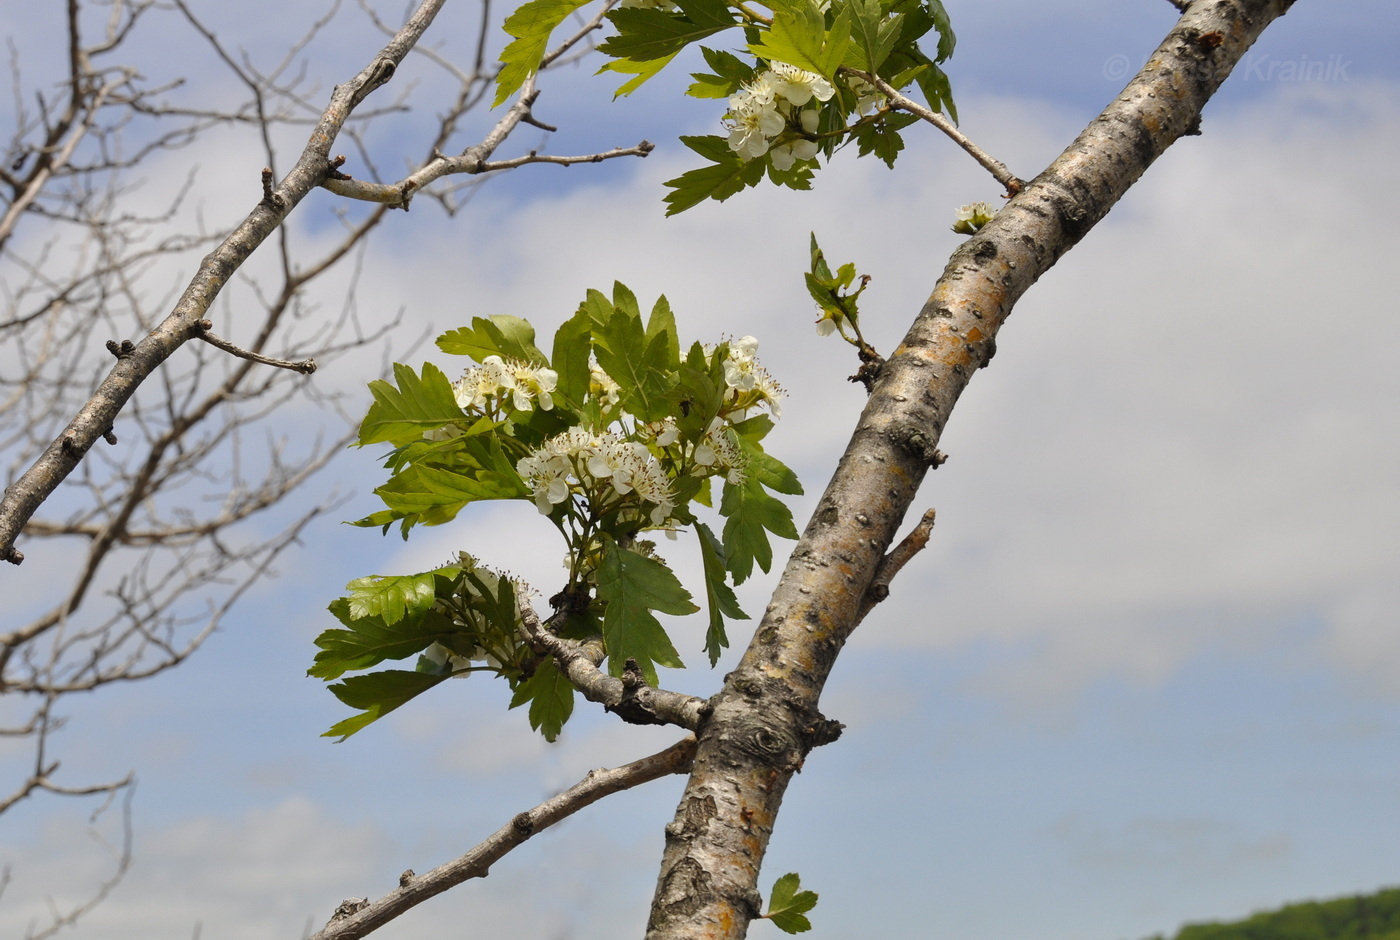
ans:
(580, 461)
(746, 378)
(774, 105)
(506, 380)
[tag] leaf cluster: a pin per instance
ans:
(616, 433)
(836, 41)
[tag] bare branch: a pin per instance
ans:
(994, 166)
(358, 918)
(398, 195)
(96, 418)
(305, 366)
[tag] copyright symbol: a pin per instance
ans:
(1115, 67)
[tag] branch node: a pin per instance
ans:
(333, 168)
(406, 878)
(122, 350)
(109, 436)
(523, 823)
(271, 199)
(891, 564)
(71, 445)
(871, 364)
(349, 908)
(14, 556)
(530, 119)
(822, 731)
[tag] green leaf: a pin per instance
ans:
(501, 335)
(750, 514)
(730, 73)
(551, 698)
(788, 906)
(634, 585)
(377, 694)
(662, 322)
(799, 37)
(641, 72)
(933, 82)
(722, 602)
(946, 39)
(531, 26)
(709, 86)
(370, 641)
(874, 36)
(402, 414)
(882, 138)
(437, 494)
(648, 33)
(695, 400)
(391, 597)
(573, 342)
(639, 365)
(728, 175)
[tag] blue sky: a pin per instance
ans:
(1147, 669)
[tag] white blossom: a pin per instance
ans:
(971, 218)
(752, 124)
(602, 386)
(502, 380)
(798, 86)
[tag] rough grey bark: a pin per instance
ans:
(765, 720)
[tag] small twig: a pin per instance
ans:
(355, 919)
(636, 703)
(994, 166)
(305, 366)
(400, 193)
(891, 564)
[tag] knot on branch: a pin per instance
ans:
(821, 731)
(871, 365)
(349, 908)
(523, 823)
(407, 878)
(918, 444)
(122, 350)
(13, 555)
(271, 199)
(333, 168)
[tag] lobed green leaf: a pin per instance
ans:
(788, 906)
(418, 404)
(551, 698)
(377, 694)
(634, 585)
(720, 596)
(531, 26)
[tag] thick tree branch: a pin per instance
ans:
(756, 737)
(358, 918)
(630, 698)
